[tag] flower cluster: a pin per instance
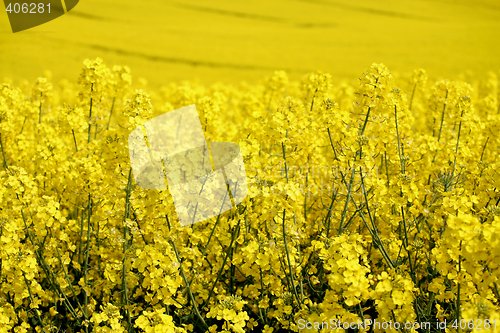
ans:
(373, 200)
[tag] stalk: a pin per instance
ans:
(50, 275)
(331, 143)
(290, 272)
(399, 140)
(312, 101)
(456, 149)
(300, 260)
(263, 318)
(90, 110)
(191, 297)
(442, 117)
(86, 265)
(344, 211)
(284, 158)
(306, 195)
(22, 127)
(66, 276)
(74, 140)
(412, 95)
(40, 113)
(125, 299)
(209, 238)
(111, 112)
(484, 147)
(406, 244)
(328, 217)
(440, 127)
(366, 120)
(458, 287)
(5, 165)
(373, 230)
(219, 274)
(32, 301)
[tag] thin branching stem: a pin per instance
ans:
(74, 139)
(32, 300)
(5, 165)
(366, 121)
(290, 272)
(346, 205)
(111, 112)
(399, 139)
(90, 111)
(233, 237)
(456, 149)
(442, 117)
(190, 293)
(125, 298)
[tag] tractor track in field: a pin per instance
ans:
(185, 61)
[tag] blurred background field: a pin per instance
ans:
(233, 41)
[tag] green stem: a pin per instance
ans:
(284, 158)
(331, 143)
(496, 292)
(66, 276)
(307, 194)
(456, 149)
(312, 102)
(290, 272)
(22, 127)
(40, 113)
(90, 110)
(208, 241)
(329, 214)
(344, 211)
(412, 95)
(366, 120)
(399, 139)
(111, 113)
(86, 265)
(74, 139)
(484, 147)
(3, 155)
(33, 301)
(442, 117)
(406, 243)
(125, 298)
(220, 271)
(263, 318)
(458, 287)
(50, 275)
(197, 312)
(373, 230)
(301, 284)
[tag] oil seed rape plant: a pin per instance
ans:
(370, 201)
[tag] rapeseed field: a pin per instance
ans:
(370, 202)
(373, 197)
(234, 41)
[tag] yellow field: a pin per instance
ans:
(375, 201)
(372, 188)
(232, 41)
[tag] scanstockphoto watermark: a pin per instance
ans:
(172, 148)
(335, 324)
(24, 14)
(312, 180)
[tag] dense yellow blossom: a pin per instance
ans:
(375, 201)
